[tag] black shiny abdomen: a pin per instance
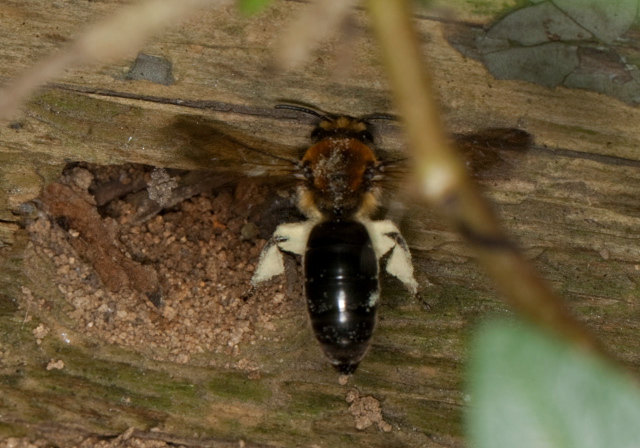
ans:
(341, 287)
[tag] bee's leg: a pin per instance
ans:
(400, 265)
(290, 237)
(270, 263)
(386, 237)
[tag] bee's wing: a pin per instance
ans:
(491, 153)
(218, 147)
(224, 158)
(488, 154)
(484, 153)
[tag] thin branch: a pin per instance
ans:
(443, 181)
(317, 23)
(116, 37)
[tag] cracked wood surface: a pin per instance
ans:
(571, 202)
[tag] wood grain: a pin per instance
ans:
(571, 202)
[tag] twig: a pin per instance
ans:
(316, 24)
(444, 183)
(116, 37)
(26, 315)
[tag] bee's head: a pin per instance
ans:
(340, 170)
(337, 126)
(343, 127)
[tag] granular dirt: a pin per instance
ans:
(366, 411)
(124, 440)
(170, 284)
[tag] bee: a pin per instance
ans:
(341, 245)
(339, 179)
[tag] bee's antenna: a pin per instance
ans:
(380, 117)
(392, 162)
(303, 109)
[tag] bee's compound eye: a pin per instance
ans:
(317, 134)
(369, 172)
(365, 136)
(308, 173)
(373, 173)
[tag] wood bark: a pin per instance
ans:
(571, 202)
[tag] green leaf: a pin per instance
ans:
(606, 19)
(531, 390)
(250, 7)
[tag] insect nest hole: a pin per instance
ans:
(159, 261)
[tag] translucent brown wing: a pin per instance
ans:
(223, 159)
(492, 152)
(489, 153)
(219, 148)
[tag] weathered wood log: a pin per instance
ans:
(570, 201)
